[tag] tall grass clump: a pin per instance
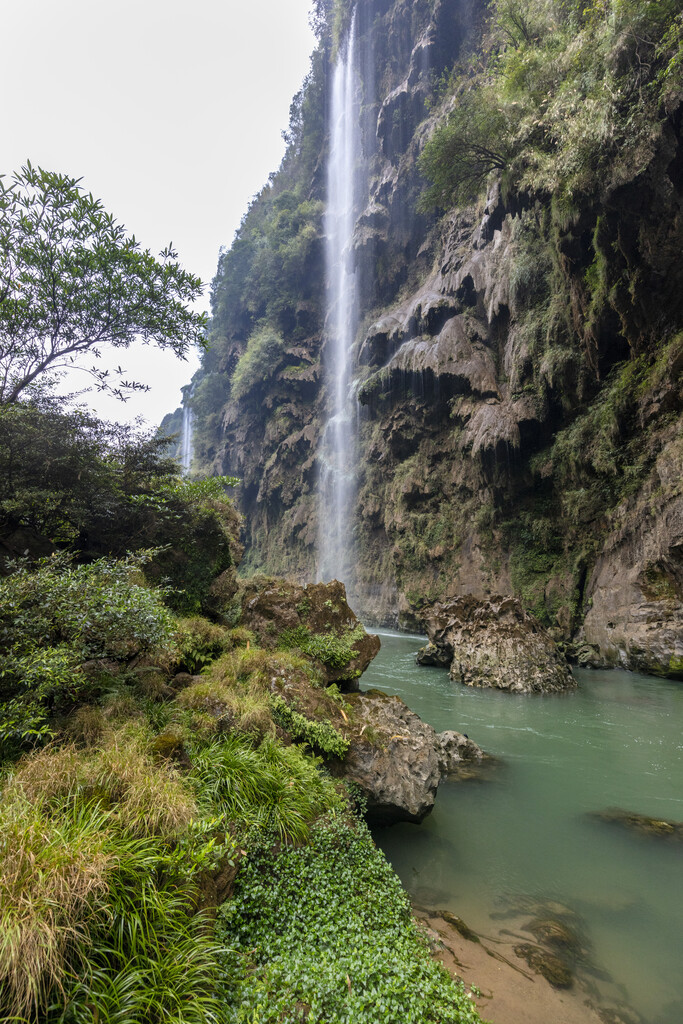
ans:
(98, 856)
(267, 784)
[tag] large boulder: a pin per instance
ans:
(494, 642)
(315, 619)
(397, 760)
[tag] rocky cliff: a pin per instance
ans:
(518, 364)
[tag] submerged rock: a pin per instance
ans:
(546, 964)
(397, 760)
(495, 642)
(641, 823)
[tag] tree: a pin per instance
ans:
(71, 281)
(477, 138)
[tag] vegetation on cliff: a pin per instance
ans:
(520, 290)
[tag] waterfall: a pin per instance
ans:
(186, 451)
(338, 451)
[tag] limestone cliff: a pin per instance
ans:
(518, 365)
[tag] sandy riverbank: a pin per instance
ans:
(510, 993)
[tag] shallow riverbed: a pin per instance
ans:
(491, 848)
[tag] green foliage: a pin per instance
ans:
(328, 926)
(56, 617)
(332, 649)
(69, 479)
(199, 642)
(71, 281)
(320, 735)
(268, 785)
(476, 139)
(101, 610)
(565, 99)
(67, 476)
(258, 362)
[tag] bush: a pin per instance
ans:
(322, 736)
(58, 616)
(331, 648)
(199, 642)
(257, 363)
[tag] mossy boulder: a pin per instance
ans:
(396, 759)
(314, 619)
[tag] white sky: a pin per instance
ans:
(172, 114)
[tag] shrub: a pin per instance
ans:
(322, 736)
(332, 649)
(199, 642)
(258, 362)
(101, 610)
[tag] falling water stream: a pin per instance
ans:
(337, 455)
(492, 848)
(186, 449)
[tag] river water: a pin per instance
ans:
(524, 833)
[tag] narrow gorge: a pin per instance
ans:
(502, 415)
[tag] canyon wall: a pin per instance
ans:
(517, 369)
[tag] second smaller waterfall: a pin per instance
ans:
(186, 446)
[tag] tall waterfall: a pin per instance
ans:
(338, 451)
(186, 450)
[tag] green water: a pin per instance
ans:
(524, 832)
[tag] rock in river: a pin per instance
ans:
(397, 760)
(494, 642)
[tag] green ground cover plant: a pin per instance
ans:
(323, 932)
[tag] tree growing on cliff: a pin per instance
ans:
(477, 138)
(71, 281)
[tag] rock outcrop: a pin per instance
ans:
(495, 643)
(315, 619)
(635, 616)
(397, 760)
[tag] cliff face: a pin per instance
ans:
(518, 367)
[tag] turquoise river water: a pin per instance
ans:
(525, 833)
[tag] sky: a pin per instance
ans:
(171, 113)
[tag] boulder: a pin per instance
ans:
(641, 824)
(430, 654)
(495, 642)
(315, 619)
(396, 759)
(455, 751)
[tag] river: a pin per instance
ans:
(524, 834)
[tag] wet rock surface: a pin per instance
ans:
(641, 824)
(397, 760)
(494, 642)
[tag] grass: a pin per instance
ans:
(148, 798)
(269, 784)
